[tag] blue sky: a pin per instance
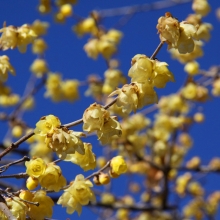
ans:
(65, 55)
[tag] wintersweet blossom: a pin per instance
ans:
(35, 167)
(5, 67)
(94, 118)
(46, 125)
(64, 142)
(118, 165)
(86, 161)
(45, 208)
(77, 195)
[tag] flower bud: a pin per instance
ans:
(32, 183)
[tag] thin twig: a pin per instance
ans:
(17, 176)
(5, 167)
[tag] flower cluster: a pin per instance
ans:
(96, 118)
(106, 45)
(59, 90)
(5, 67)
(145, 74)
(179, 35)
(20, 37)
(77, 195)
(45, 208)
(86, 161)
(48, 175)
(60, 140)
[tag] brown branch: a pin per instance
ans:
(132, 208)
(5, 167)
(99, 171)
(157, 50)
(17, 176)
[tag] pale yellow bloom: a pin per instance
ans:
(127, 97)
(39, 46)
(39, 67)
(52, 178)
(69, 90)
(201, 7)
(17, 208)
(46, 125)
(77, 195)
(110, 129)
(35, 167)
(86, 26)
(94, 118)
(8, 38)
(168, 28)
(91, 48)
(40, 27)
(45, 208)
(118, 165)
(192, 68)
(86, 161)
(5, 67)
(64, 142)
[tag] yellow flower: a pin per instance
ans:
(5, 67)
(35, 167)
(183, 58)
(40, 27)
(110, 129)
(77, 195)
(106, 48)
(168, 28)
(53, 87)
(8, 39)
(91, 48)
(216, 87)
(65, 142)
(86, 161)
(203, 32)
(127, 97)
(66, 10)
(52, 178)
(114, 35)
(185, 42)
(161, 74)
(69, 89)
(201, 7)
(86, 26)
(32, 183)
(17, 208)
(45, 208)
(39, 46)
(118, 165)
(146, 95)
(113, 77)
(46, 125)
(192, 68)
(142, 68)
(94, 118)
(40, 149)
(26, 35)
(39, 67)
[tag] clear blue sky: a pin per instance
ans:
(65, 55)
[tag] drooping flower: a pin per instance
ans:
(77, 195)
(86, 161)
(46, 125)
